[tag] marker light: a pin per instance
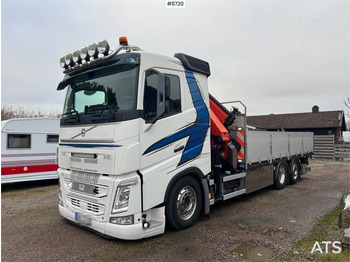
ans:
(69, 60)
(123, 40)
(127, 220)
(63, 62)
(103, 47)
(92, 50)
(76, 57)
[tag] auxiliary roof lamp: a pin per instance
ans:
(103, 47)
(84, 54)
(92, 50)
(68, 59)
(76, 57)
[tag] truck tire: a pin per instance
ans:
(280, 180)
(184, 204)
(294, 174)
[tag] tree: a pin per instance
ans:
(347, 104)
(9, 112)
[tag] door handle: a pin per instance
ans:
(179, 149)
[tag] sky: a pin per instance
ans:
(275, 56)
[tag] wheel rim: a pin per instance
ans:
(295, 170)
(186, 203)
(282, 174)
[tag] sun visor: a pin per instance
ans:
(62, 85)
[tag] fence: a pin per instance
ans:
(342, 151)
(324, 148)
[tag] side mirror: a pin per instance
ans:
(160, 103)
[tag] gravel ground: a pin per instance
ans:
(33, 230)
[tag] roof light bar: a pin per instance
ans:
(82, 57)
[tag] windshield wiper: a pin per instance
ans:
(73, 112)
(102, 109)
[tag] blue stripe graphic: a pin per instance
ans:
(196, 131)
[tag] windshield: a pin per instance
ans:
(103, 92)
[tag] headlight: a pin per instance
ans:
(121, 201)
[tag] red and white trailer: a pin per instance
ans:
(28, 149)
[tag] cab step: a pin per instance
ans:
(233, 177)
(234, 194)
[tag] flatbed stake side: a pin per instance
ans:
(144, 145)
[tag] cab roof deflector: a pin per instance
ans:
(194, 64)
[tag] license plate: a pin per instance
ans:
(83, 219)
(80, 187)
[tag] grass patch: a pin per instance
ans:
(241, 226)
(326, 229)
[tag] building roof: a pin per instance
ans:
(327, 119)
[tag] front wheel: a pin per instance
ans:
(184, 204)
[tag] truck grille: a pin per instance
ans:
(93, 208)
(75, 202)
(84, 205)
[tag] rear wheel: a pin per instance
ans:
(294, 175)
(280, 180)
(184, 204)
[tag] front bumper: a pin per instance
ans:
(126, 232)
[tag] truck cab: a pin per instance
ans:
(134, 124)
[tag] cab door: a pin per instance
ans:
(161, 141)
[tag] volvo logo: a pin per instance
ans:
(83, 132)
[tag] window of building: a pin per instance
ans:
(18, 141)
(52, 139)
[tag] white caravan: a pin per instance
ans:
(28, 149)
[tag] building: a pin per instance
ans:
(320, 123)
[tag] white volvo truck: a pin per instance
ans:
(143, 144)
